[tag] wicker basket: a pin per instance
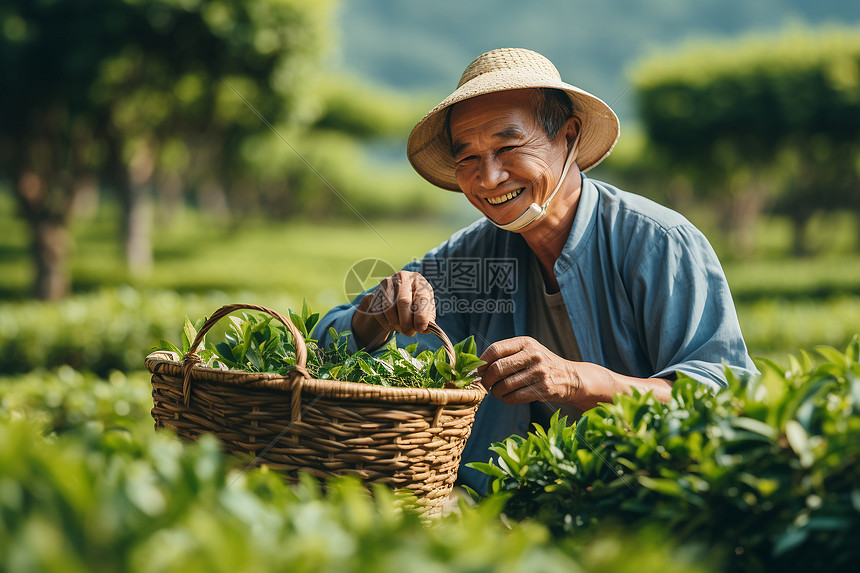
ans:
(407, 438)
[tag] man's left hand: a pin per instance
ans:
(521, 370)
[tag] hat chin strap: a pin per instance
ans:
(536, 212)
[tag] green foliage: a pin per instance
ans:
(771, 326)
(65, 400)
(99, 494)
(119, 95)
(769, 118)
(99, 333)
(354, 106)
(765, 469)
(753, 92)
(255, 343)
(159, 70)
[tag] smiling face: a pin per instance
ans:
(505, 160)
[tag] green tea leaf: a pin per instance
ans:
(832, 355)
(490, 469)
(189, 333)
(664, 486)
(298, 323)
(164, 344)
(754, 426)
(444, 368)
(853, 350)
(311, 322)
(799, 442)
(366, 367)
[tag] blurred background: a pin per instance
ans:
(159, 158)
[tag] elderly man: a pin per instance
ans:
(609, 292)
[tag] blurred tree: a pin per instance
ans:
(350, 146)
(363, 110)
(760, 122)
(130, 91)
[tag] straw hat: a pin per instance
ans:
(429, 150)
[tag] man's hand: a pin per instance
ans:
(521, 370)
(403, 302)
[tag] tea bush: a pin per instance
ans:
(86, 484)
(90, 501)
(765, 470)
(112, 329)
(64, 399)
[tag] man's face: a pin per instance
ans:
(505, 160)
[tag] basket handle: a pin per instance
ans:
(433, 328)
(192, 358)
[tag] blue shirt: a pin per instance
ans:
(644, 291)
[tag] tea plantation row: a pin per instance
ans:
(87, 485)
(114, 328)
(761, 476)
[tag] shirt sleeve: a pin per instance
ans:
(687, 318)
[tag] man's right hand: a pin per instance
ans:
(403, 302)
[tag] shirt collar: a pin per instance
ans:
(582, 228)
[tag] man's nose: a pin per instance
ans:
(492, 173)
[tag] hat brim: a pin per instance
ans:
(429, 150)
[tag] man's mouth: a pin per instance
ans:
(504, 198)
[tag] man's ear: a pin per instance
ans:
(571, 129)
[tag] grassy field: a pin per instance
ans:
(194, 255)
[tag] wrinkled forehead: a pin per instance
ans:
(509, 102)
(502, 113)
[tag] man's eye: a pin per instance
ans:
(465, 159)
(507, 148)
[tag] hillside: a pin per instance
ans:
(424, 46)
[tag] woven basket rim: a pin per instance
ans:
(165, 362)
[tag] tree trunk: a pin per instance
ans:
(137, 212)
(46, 208)
(138, 228)
(800, 218)
(747, 207)
(50, 254)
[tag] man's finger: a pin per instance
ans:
(514, 383)
(423, 307)
(503, 368)
(522, 395)
(404, 312)
(389, 295)
(503, 348)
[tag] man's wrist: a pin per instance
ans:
(600, 384)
